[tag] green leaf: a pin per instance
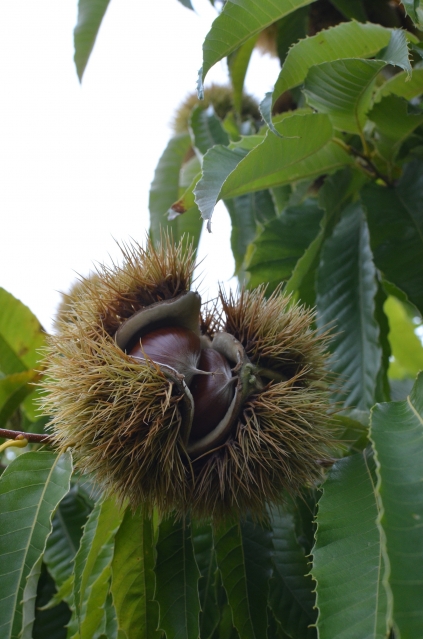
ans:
(13, 390)
(72, 628)
(177, 578)
(265, 108)
(402, 85)
(230, 124)
(274, 631)
(90, 16)
(21, 336)
(30, 489)
(281, 243)
(218, 163)
(245, 212)
(97, 615)
(111, 626)
(291, 588)
(207, 130)
(396, 53)
(400, 388)
(307, 150)
(336, 192)
(281, 197)
(339, 190)
(249, 141)
(302, 280)
(49, 623)
(350, 433)
(164, 188)
(414, 10)
(238, 63)
(343, 89)
(99, 533)
(348, 562)
(407, 349)
(266, 112)
(383, 389)
(185, 202)
(64, 593)
(189, 175)
(226, 629)
(28, 599)
(346, 290)
(395, 218)
(133, 580)
(237, 23)
(63, 543)
(397, 435)
(93, 617)
(164, 191)
(189, 171)
(244, 560)
(205, 556)
(394, 125)
(346, 40)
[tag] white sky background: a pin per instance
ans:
(76, 161)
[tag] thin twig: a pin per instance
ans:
(367, 165)
(31, 437)
(370, 166)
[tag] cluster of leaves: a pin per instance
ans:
(76, 565)
(325, 194)
(21, 337)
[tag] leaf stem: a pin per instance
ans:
(19, 442)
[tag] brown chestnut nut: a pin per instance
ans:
(212, 394)
(172, 346)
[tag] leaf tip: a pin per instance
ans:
(200, 85)
(265, 108)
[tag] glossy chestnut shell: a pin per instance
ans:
(212, 394)
(172, 346)
(206, 373)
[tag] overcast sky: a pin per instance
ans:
(76, 161)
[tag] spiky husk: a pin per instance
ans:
(122, 417)
(64, 311)
(284, 430)
(221, 98)
(279, 437)
(118, 416)
(276, 333)
(144, 277)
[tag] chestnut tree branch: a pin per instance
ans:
(366, 163)
(34, 438)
